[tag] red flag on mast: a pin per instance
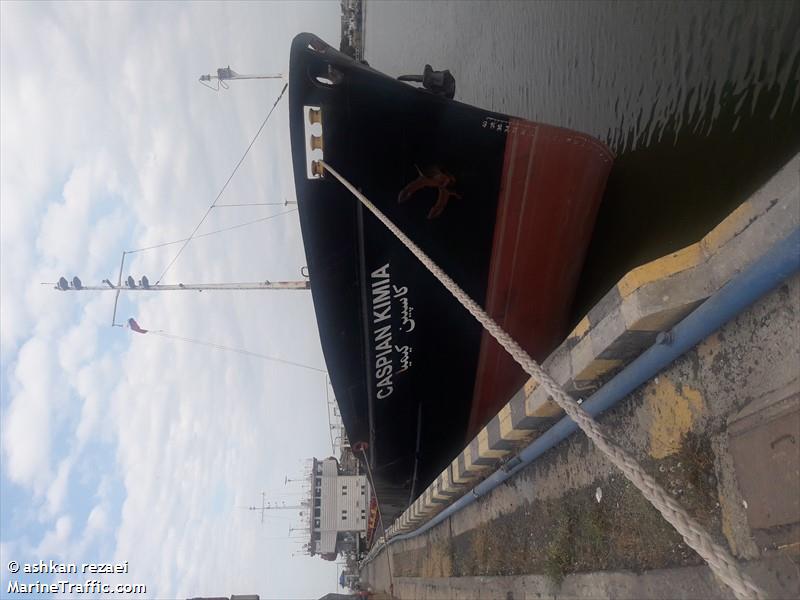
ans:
(135, 326)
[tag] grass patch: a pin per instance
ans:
(559, 556)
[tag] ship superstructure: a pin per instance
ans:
(340, 509)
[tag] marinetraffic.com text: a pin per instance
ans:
(65, 585)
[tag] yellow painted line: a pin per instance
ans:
(540, 406)
(580, 329)
(688, 257)
(437, 492)
(458, 477)
(470, 466)
(660, 321)
(596, 368)
(442, 489)
(673, 413)
(483, 446)
(447, 485)
(507, 431)
(428, 508)
(733, 224)
(533, 404)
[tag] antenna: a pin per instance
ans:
(226, 74)
(265, 506)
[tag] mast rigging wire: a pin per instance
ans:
(236, 350)
(284, 203)
(259, 220)
(126, 252)
(219, 195)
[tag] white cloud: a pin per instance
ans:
(58, 488)
(98, 524)
(27, 423)
(69, 228)
(94, 383)
(8, 552)
(55, 543)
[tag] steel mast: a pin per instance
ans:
(132, 286)
(143, 285)
(226, 74)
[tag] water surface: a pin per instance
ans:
(698, 100)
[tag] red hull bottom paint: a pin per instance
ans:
(552, 183)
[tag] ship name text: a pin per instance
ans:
(385, 296)
(382, 312)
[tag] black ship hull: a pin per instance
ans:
(411, 370)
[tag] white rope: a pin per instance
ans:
(722, 564)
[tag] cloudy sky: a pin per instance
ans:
(125, 447)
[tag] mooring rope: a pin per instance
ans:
(722, 564)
